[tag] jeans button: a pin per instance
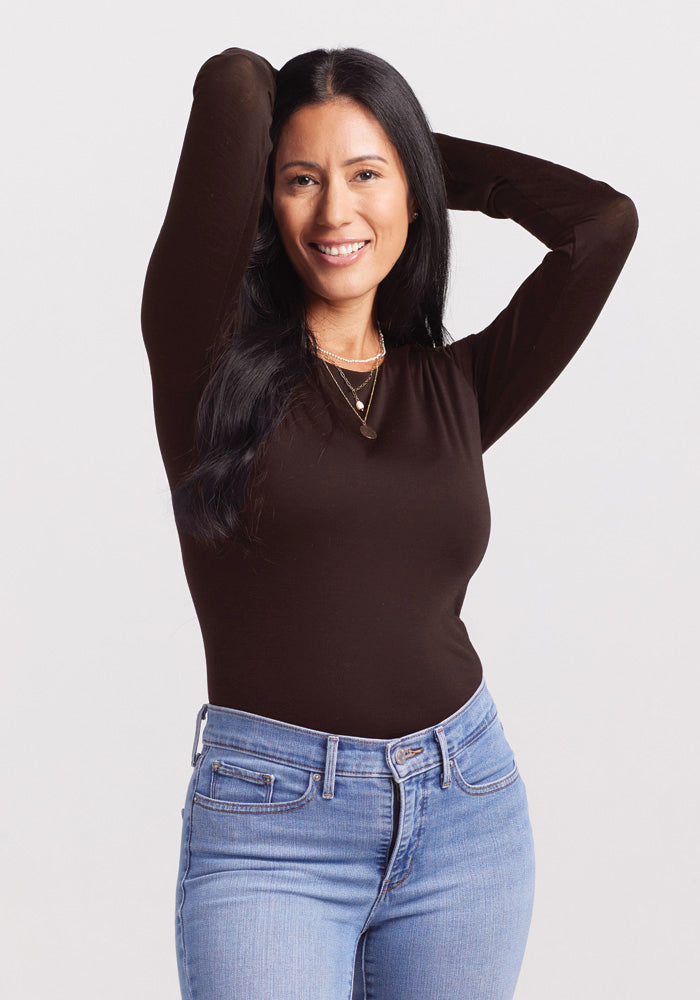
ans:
(400, 755)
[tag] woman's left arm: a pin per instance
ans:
(589, 228)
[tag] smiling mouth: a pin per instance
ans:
(340, 250)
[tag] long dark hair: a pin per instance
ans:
(267, 346)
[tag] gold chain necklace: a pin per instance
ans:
(365, 429)
(354, 389)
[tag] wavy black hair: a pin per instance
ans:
(268, 348)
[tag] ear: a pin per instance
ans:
(412, 208)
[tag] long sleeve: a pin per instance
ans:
(589, 229)
(202, 251)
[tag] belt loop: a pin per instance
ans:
(329, 776)
(200, 715)
(439, 735)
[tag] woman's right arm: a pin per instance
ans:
(203, 248)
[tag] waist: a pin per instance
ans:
(310, 748)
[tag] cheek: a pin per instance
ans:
(396, 234)
(392, 219)
(289, 227)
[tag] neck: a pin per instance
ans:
(349, 330)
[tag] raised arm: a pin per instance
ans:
(589, 228)
(202, 250)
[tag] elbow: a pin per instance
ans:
(605, 238)
(622, 221)
(235, 70)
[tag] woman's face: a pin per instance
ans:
(341, 201)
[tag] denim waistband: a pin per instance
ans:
(333, 754)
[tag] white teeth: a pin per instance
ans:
(341, 251)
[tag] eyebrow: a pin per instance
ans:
(348, 163)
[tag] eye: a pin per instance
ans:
(301, 180)
(367, 175)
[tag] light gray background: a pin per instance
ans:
(584, 609)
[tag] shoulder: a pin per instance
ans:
(447, 359)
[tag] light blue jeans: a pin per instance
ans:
(322, 867)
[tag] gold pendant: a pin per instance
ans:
(367, 431)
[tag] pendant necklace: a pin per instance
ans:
(359, 407)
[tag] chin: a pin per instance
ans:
(339, 292)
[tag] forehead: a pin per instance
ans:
(336, 130)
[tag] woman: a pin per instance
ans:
(355, 824)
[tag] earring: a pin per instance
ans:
(415, 216)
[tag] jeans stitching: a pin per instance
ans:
(181, 926)
(492, 786)
(364, 978)
(259, 755)
(394, 885)
(222, 771)
(270, 807)
(489, 721)
(486, 724)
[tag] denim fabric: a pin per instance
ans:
(316, 866)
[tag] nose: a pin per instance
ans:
(334, 206)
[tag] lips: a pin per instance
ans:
(340, 253)
(339, 249)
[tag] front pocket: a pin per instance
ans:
(232, 783)
(235, 781)
(487, 763)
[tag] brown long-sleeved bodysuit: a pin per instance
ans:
(346, 618)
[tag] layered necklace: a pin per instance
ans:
(358, 407)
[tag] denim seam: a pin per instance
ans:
(181, 926)
(260, 755)
(232, 771)
(270, 807)
(363, 938)
(224, 770)
(394, 885)
(200, 716)
(492, 786)
(476, 735)
(302, 767)
(329, 771)
(339, 770)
